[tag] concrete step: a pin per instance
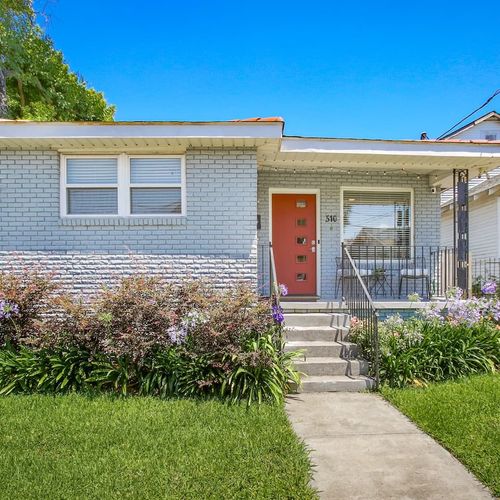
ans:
(331, 366)
(315, 348)
(328, 333)
(295, 306)
(336, 383)
(317, 319)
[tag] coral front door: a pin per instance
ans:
(294, 241)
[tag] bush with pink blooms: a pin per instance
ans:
(144, 336)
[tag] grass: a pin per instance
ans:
(464, 416)
(102, 447)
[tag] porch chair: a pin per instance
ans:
(410, 271)
(347, 273)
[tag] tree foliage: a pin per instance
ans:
(35, 81)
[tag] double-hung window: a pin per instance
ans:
(155, 186)
(91, 186)
(377, 222)
(122, 185)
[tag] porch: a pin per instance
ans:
(379, 198)
(391, 275)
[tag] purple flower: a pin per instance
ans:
(8, 309)
(283, 289)
(177, 335)
(489, 288)
(278, 314)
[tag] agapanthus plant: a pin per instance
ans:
(283, 289)
(277, 312)
(489, 288)
(458, 310)
(8, 309)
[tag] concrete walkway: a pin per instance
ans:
(363, 448)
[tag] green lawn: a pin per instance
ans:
(464, 416)
(80, 447)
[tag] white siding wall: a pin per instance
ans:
(478, 131)
(483, 227)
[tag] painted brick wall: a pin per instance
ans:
(426, 215)
(217, 238)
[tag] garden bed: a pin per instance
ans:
(462, 415)
(145, 337)
(74, 446)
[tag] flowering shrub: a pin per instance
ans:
(457, 310)
(144, 336)
(24, 299)
(447, 340)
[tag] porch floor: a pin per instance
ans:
(335, 306)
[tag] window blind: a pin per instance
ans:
(155, 200)
(155, 170)
(92, 201)
(377, 218)
(91, 171)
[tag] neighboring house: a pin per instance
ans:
(484, 195)
(94, 201)
(484, 128)
(484, 219)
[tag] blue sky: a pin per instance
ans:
(338, 69)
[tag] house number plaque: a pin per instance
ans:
(330, 218)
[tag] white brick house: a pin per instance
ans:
(96, 200)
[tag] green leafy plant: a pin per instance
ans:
(142, 337)
(263, 373)
(418, 351)
(26, 370)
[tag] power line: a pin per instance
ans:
(470, 114)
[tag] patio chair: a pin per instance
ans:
(412, 271)
(346, 273)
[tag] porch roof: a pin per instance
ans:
(434, 158)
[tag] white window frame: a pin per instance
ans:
(378, 189)
(123, 186)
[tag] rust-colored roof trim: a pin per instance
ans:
(260, 119)
(145, 122)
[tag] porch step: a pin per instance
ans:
(300, 298)
(325, 333)
(317, 319)
(336, 383)
(315, 348)
(298, 306)
(331, 366)
(329, 362)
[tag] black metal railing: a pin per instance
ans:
(273, 278)
(364, 314)
(395, 272)
(485, 270)
(264, 269)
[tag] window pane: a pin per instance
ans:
(92, 201)
(156, 200)
(155, 170)
(91, 170)
(377, 219)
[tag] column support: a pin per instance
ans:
(461, 227)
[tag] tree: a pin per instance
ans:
(35, 82)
